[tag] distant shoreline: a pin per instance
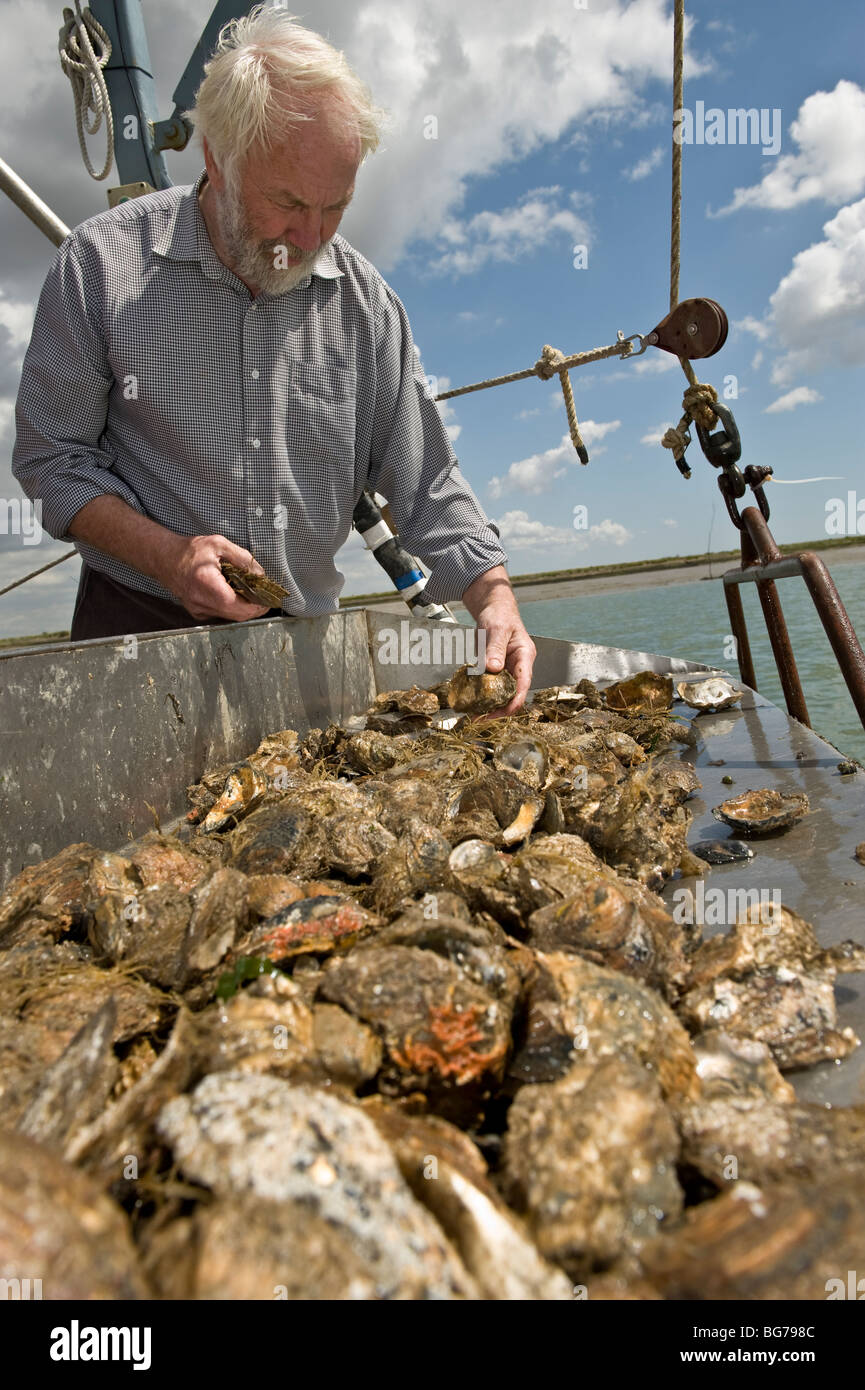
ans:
(595, 579)
(637, 574)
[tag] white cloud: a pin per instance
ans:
(500, 82)
(446, 410)
(7, 415)
(533, 474)
(655, 363)
(758, 327)
(16, 317)
(655, 366)
(654, 435)
(538, 472)
(645, 166)
(830, 165)
(593, 430)
(519, 532)
(757, 360)
(801, 395)
(537, 219)
(819, 306)
(612, 531)
(669, 521)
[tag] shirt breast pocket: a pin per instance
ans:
(324, 398)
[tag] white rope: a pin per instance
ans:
(84, 51)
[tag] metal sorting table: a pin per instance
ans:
(93, 734)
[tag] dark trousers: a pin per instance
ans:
(106, 608)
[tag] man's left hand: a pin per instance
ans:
(490, 600)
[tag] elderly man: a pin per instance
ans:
(215, 374)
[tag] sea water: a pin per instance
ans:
(691, 621)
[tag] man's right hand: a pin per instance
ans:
(187, 565)
(194, 576)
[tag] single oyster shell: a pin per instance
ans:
(413, 701)
(759, 812)
(710, 694)
(646, 691)
(559, 701)
(244, 788)
(722, 851)
(255, 588)
(320, 924)
(479, 694)
(527, 757)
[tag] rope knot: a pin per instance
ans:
(676, 440)
(698, 401)
(549, 362)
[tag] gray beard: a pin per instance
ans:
(254, 260)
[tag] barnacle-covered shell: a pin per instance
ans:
(255, 588)
(413, 701)
(646, 691)
(480, 694)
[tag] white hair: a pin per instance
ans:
(257, 84)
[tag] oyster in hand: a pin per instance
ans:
(255, 588)
(480, 694)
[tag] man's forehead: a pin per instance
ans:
(329, 129)
(313, 153)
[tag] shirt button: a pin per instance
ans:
(259, 512)
(256, 443)
(254, 374)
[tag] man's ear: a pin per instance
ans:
(214, 173)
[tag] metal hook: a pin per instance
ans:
(644, 342)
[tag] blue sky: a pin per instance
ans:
(553, 130)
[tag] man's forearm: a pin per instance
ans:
(110, 525)
(493, 586)
(491, 602)
(188, 566)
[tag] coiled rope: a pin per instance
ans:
(84, 51)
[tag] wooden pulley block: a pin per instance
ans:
(695, 328)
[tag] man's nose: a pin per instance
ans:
(306, 229)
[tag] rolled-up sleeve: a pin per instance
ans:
(412, 463)
(60, 456)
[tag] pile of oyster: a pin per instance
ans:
(400, 1014)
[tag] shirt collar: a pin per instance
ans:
(185, 238)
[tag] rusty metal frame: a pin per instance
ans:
(761, 564)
